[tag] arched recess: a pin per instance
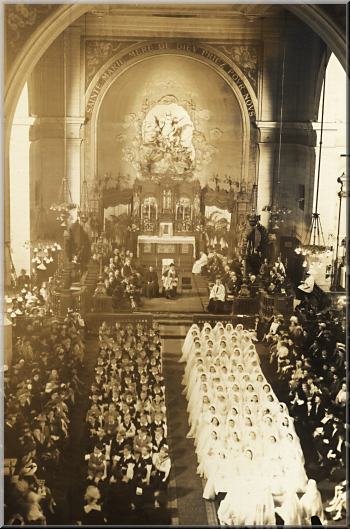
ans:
(66, 14)
(56, 23)
(248, 143)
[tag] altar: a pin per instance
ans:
(152, 249)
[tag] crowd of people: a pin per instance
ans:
(27, 299)
(127, 456)
(309, 356)
(231, 277)
(127, 281)
(41, 388)
(123, 280)
(246, 443)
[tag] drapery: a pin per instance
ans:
(115, 196)
(220, 199)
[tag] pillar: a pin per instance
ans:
(20, 187)
(74, 110)
(266, 149)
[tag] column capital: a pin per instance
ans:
(295, 132)
(49, 127)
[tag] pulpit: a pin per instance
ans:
(167, 213)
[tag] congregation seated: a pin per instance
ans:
(240, 283)
(41, 389)
(127, 453)
(123, 280)
(245, 441)
(28, 302)
(309, 358)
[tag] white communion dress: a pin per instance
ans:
(232, 409)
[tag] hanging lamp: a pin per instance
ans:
(65, 203)
(314, 243)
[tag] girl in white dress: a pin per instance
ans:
(290, 510)
(203, 428)
(311, 503)
(210, 454)
(196, 417)
(268, 427)
(273, 465)
(192, 333)
(249, 501)
(294, 464)
(207, 330)
(232, 407)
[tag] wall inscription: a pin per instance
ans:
(157, 47)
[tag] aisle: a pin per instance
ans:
(70, 481)
(191, 508)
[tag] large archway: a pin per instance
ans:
(65, 15)
(225, 127)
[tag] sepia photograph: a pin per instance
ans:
(174, 270)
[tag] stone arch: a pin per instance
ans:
(66, 14)
(117, 66)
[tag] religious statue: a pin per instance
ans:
(167, 140)
(136, 205)
(167, 200)
(196, 205)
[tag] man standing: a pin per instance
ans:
(151, 283)
(217, 297)
(23, 280)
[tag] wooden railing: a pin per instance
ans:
(94, 321)
(246, 321)
(276, 304)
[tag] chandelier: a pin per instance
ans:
(85, 209)
(44, 253)
(314, 244)
(277, 215)
(65, 205)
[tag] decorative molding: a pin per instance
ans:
(148, 48)
(20, 22)
(246, 57)
(97, 53)
(57, 127)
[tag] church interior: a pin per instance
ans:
(175, 264)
